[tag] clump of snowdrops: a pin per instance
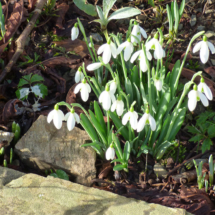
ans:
(136, 92)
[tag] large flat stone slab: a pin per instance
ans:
(33, 194)
(45, 147)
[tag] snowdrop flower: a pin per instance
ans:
(204, 47)
(84, 88)
(194, 96)
(137, 31)
(146, 119)
(57, 116)
(108, 49)
(128, 48)
(75, 32)
(94, 66)
(132, 117)
(158, 84)
(203, 88)
(106, 97)
(110, 153)
(71, 118)
(113, 86)
(79, 76)
(118, 105)
(140, 53)
(155, 45)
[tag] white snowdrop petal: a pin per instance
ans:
(101, 48)
(152, 123)
(211, 47)
(133, 121)
(51, 115)
(61, 114)
(142, 122)
(200, 87)
(74, 33)
(158, 85)
(113, 49)
(113, 99)
(121, 47)
(127, 52)
(148, 54)
(102, 96)
(135, 32)
(158, 50)
(67, 116)
(84, 93)
(77, 77)
(57, 121)
(134, 56)
(204, 52)
(106, 55)
(125, 118)
(203, 99)
(192, 93)
(143, 32)
(110, 153)
(77, 88)
(192, 101)
(143, 65)
(149, 44)
(106, 102)
(93, 66)
(207, 91)
(113, 87)
(77, 118)
(197, 47)
(71, 122)
(88, 88)
(120, 108)
(113, 106)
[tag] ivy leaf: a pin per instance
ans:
(211, 131)
(60, 174)
(197, 138)
(206, 145)
(27, 77)
(22, 82)
(22, 93)
(40, 90)
(193, 130)
(36, 78)
(151, 2)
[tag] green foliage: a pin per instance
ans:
(204, 130)
(86, 7)
(193, 66)
(30, 60)
(60, 174)
(36, 87)
(2, 22)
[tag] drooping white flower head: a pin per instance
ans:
(84, 88)
(132, 117)
(146, 119)
(137, 31)
(75, 32)
(71, 117)
(118, 105)
(113, 86)
(106, 97)
(158, 84)
(140, 53)
(204, 47)
(57, 116)
(203, 88)
(154, 44)
(194, 96)
(108, 49)
(79, 76)
(94, 66)
(110, 153)
(128, 48)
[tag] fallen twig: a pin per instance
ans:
(20, 42)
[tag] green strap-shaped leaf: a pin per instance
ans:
(127, 150)
(162, 149)
(170, 106)
(135, 76)
(170, 18)
(101, 15)
(118, 123)
(99, 116)
(129, 90)
(95, 146)
(167, 79)
(181, 10)
(176, 14)
(107, 5)
(87, 8)
(177, 124)
(138, 98)
(173, 78)
(117, 146)
(99, 129)
(164, 130)
(119, 167)
(88, 127)
(124, 13)
(143, 94)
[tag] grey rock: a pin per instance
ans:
(209, 34)
(6, 136)
(97, 37)
(33, 194)
(213, 61)
(200, 28)
(45, 147)
(7, 175)
(193, 20)
(160, 170)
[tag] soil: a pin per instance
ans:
(60, 58)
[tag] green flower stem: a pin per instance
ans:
(105, 32)
(110, 69)
(184, 93)
(149, 81)
(126, 98)
(65, 104)
(94, 51)
(86, 76)
(183, 62)
(157, 67)
(141, 73)
(85, 38)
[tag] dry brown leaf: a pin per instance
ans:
(61, 12)
(210, 71)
